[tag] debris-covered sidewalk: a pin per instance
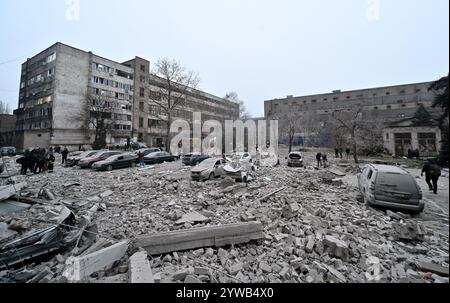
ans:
(298, 225)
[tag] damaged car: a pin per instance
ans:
(73, 159)
(193, 159)
(295, 159)
(239, 171)
(100, 156)
(208, 169)
(118, 161)
(390, 187)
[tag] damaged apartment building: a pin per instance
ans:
(395, 106)
(62, 87)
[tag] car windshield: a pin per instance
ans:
(295, 156)
(397, 182)
(153, 154)
(208, 163)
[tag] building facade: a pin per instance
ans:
(149, 125)
(7, 127)
(385, 104)
(63, 88)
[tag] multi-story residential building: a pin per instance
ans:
(63, 88)
(149, 127)
(388, 105)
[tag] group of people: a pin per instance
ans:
(40, 160)
(322, 160)
(339, 153)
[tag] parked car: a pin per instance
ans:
(148, 151)
(159, 157)
(295, 159)
(194, 159)
(99, 156)
(391, 187)
(73, 160)
(8, 151)
(118, 161)
(208, 169)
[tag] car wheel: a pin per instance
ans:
(109, 168)
(133, 164)
(211, 176)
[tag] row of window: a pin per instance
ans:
(112, 83)
(39, 125)
(150, 123)
(110, 104)
(336, 98)
(122, 127)
(111, 94)
(122, 117)
(43, 112)
(107, 69)
(39, 101)
(38, 78)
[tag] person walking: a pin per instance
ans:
(324, 160)
(347, 153)
(319, 160)
(64, 154)
(336, 152)
(432, 173)
(341, 151)
(141, 159)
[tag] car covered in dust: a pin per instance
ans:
(208, 169)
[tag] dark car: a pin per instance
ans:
(194, 159)
(117, 161)
(147, 151)
(100, 156)
(8, 151)
(159, 157)
(73, 160)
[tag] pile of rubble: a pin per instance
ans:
(155, 225)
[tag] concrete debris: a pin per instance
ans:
(140, 271)
(286, 226)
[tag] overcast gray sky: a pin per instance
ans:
(260, 49)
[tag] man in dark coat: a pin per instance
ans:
(64, 154)
(432, 173)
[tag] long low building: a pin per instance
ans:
(389, 105)
(61, 86)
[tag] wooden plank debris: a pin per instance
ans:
(200, 237)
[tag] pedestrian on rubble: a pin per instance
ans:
(325, 160)
(141, 159)
(432, 173)
(336, 152)
(50, 160)
(347, 153)
(341, 151)
(64, 154)
(319, 160)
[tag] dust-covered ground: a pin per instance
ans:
(315, 230)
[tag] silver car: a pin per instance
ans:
(391, 187)
(208, 169)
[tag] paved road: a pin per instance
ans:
(437, 202)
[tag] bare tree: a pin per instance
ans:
(176, 83)
(243, 112)
(96, 117)
(349, 120)
(4, 108)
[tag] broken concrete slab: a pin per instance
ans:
(336, 247)
(8, 191)
(433, 268)
(408, 232)
(216, 236)
(140, 271)
(78, 268)
(193, 217)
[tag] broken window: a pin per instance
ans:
(141, 106)
(143, 68)
(51, 58)
(141, 92)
